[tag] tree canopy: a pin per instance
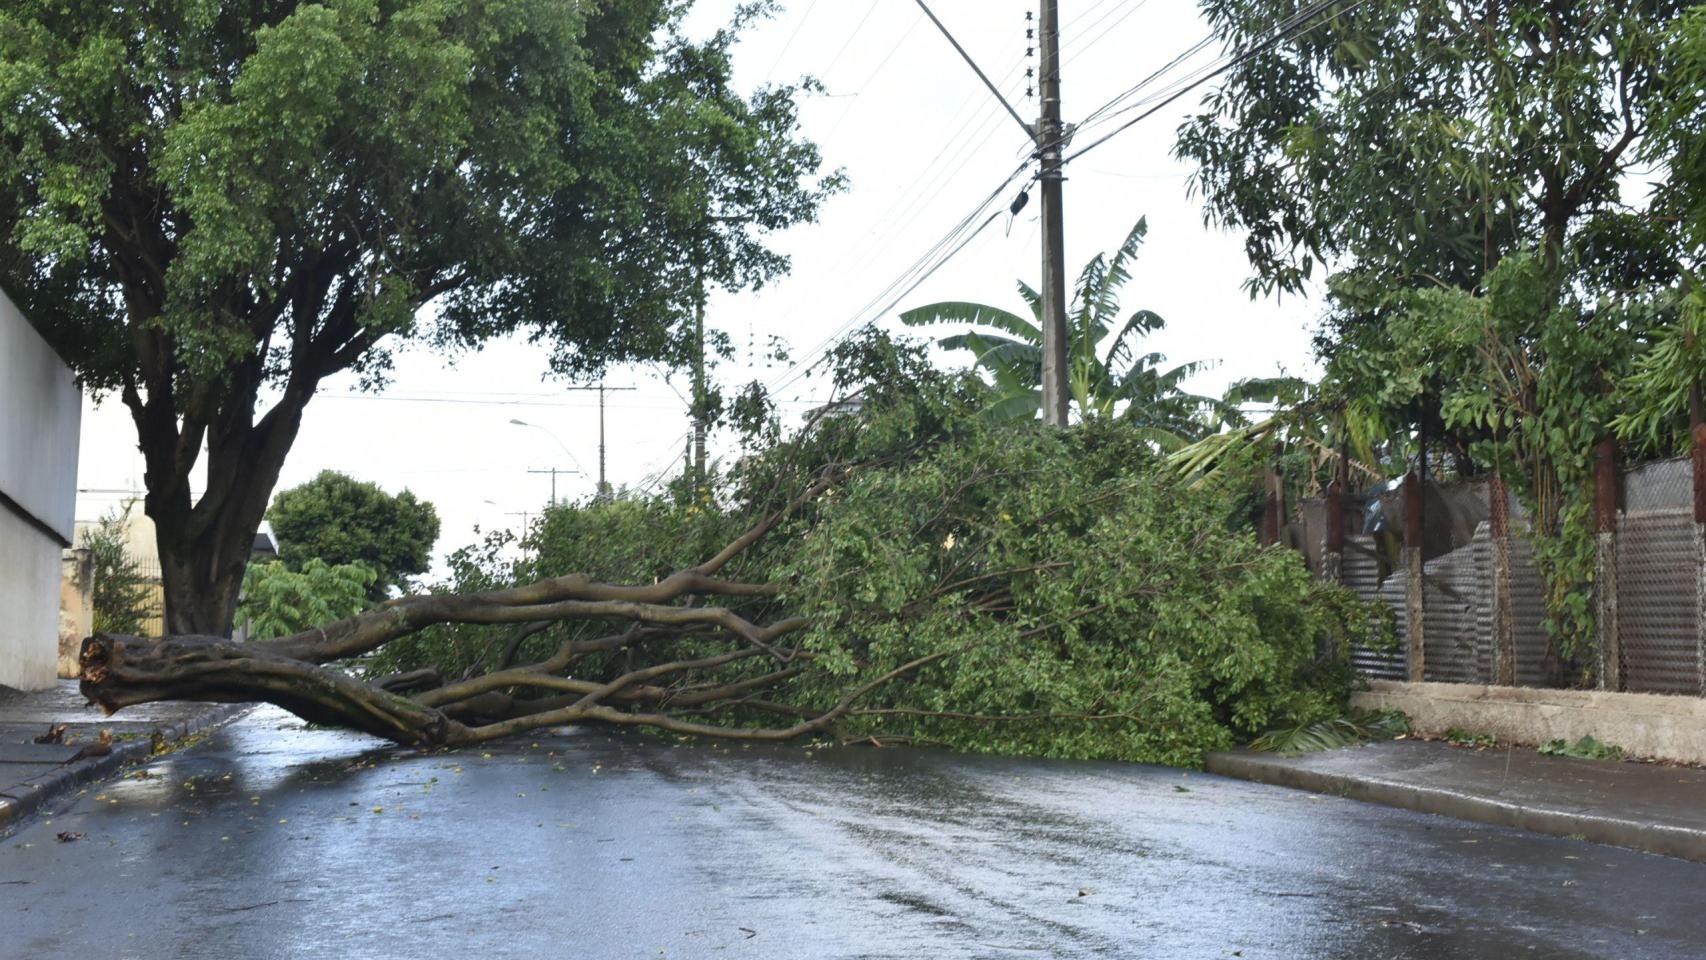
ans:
(339, 520)
(210, 207)
(1505, 284)
(1425, 141)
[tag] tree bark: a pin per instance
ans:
(205, 548)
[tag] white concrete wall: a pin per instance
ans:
(40, 413)
(29, 605)
(1643, 724)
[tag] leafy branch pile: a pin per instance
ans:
(908, 573)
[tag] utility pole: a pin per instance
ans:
(553, 472)
(698, 455)
(603, 487)
(603, 484)
(603, 492)
(1050, 138)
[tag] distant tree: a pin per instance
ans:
(123, 597)
(209, 208)
(340, 520)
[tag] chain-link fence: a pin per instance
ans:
(1482, 613)
(1657, 616)
(154, 618)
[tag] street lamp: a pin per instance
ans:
(553, 471)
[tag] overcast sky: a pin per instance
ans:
(923, 143)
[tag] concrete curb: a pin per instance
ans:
(16, 806)
(1667, 839)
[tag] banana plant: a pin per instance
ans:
(1106, 376)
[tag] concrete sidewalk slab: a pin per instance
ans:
(1642, 806)
(30, 752)
(32, 774)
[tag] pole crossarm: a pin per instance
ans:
(1030, 131)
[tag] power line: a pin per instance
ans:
(850, 38)
(1138, 87)
(473, 402)
(921, 269)
(925, 275)
(1080, 18)
(771, 73)
(918, 263)
(924, 183)
(956, 239)
(893, 49)
(965, 147)
(1107, 30)
(1287, 29)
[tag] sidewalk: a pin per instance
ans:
(31, 774)
(1643, 806)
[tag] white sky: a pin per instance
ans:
(922, 142)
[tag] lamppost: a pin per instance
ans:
(553, 471)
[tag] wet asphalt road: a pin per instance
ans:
(274, 841)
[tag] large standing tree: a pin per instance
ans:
(1469, 176)
(210, 207)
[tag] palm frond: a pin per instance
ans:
(979, 342)
(1344, 731)
(1034, 299)
(1141, 323)
(1286, 390)
(1118, 271)
(1164, 440)
(976, 314)
(1009, 354)
(1014, 408)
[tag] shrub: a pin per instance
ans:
(278, 601)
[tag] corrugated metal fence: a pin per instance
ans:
(1651, 595)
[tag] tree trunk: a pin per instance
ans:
(204, 545)
(200, 590)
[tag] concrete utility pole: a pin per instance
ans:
(553, 472)
(1050, 142)
(1050, 137)
(603, 487)
(697, 456)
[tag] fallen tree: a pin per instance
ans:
(905, 574)
(293, 672)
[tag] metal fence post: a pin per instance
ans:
(1272, 508)
(1608, 479)
(1415, 658)
(1699, 464)
(1504, 627)
(1333, 549)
